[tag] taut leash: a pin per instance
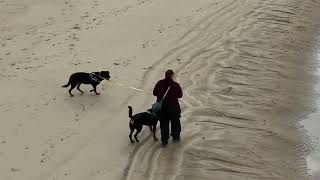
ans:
(125, 86)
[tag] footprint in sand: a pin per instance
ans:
(52, 142)
(14, 170)
(84, 17)
(44, 157)
(179, 60)
(145, 45)
(125, 62)
(96, 4)
(76, 26)
(73, 37)
(146, 68)
(197, 10)
(77, 118)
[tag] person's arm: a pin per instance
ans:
(179, 91)
(156, 89)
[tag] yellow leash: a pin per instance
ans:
(125, 86)
(131, 87)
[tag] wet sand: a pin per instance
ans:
(311, 123)
(246, 68)
(313, 160)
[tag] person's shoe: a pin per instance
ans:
(164, 144)
(176, 140)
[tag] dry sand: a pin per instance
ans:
(246, 68)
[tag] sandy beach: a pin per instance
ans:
(246, 67)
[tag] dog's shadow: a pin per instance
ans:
(85, 100)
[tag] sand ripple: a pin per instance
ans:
(243, 68)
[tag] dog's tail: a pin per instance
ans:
(130, 112)
(66, 85)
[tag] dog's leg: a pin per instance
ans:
(154, 132)
(78, 87)
(130, 135)
(150, 127)
(72, 87)
(138, 131)
(95, 89)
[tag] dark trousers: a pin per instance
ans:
(170, 114)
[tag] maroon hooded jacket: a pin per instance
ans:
(175, 92)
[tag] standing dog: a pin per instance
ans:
(138, 120)
(94, 78)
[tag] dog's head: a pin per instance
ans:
(155, 116)
(105, 74)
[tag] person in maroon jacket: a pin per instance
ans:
(170, 110)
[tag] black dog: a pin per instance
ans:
(138, 120)
(94, 78)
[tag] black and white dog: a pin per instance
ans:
(94, 78)
(137, 121)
